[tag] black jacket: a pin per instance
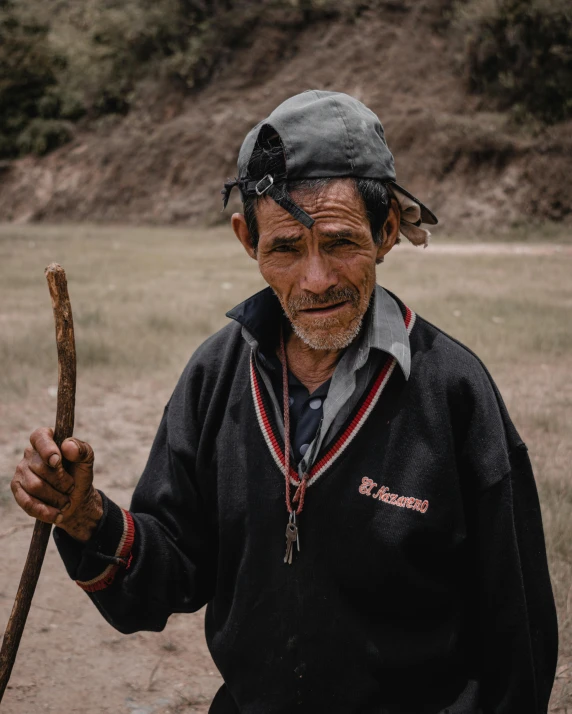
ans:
(421, 585)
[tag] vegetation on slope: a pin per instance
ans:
(89, 60)
(520, 53)
(62, 62)
(28, 86)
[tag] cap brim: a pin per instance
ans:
(427, 216)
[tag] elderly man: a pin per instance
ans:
(337, 479)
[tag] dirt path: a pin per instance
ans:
(467, 249)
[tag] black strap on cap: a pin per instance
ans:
(266, 186)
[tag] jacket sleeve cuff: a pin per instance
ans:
(94, 564)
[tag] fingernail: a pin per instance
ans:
(54, 460)
(65, 508)
(70, 489)
(59, 519)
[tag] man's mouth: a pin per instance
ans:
(325, 310)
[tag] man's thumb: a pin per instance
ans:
(80, 454)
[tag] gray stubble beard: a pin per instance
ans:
(326, 339)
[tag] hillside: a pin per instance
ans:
(166, 159)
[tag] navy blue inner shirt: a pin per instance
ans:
(306, 409)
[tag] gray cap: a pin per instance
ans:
(324, 135)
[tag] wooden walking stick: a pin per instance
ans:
(57, 283)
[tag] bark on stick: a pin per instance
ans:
(57, 284)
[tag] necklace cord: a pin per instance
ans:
(286, 407)
(301, 490)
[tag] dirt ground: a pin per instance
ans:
(511, 303)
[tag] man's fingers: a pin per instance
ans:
(43, 442)
(58, 478)
(34, 507)
(43, 488)
(78, 457)
(38, 488)
(78, 452)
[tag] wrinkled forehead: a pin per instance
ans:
(332, 203)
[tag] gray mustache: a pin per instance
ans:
(333, 295)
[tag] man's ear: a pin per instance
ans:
(241, 231)
(390, 230)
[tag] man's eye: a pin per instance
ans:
(284, 249)
(341, 242)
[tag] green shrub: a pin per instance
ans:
(27, 75)
(43, 135)
(520, 53)
(125, 40)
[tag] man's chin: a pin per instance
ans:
(328, 335)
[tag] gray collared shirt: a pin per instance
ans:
(383, 333)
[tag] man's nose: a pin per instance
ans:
(318, 274)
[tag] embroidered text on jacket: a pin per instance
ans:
(368, 484)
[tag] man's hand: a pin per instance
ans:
(54, 494)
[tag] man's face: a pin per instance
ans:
(323, 276)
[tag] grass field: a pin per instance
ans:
(143, 299)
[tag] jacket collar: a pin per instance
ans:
(384, 328)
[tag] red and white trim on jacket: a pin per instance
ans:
(337, 449)
(123, 550)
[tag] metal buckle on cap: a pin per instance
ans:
(260, 191)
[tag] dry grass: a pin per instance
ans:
(143, 299)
